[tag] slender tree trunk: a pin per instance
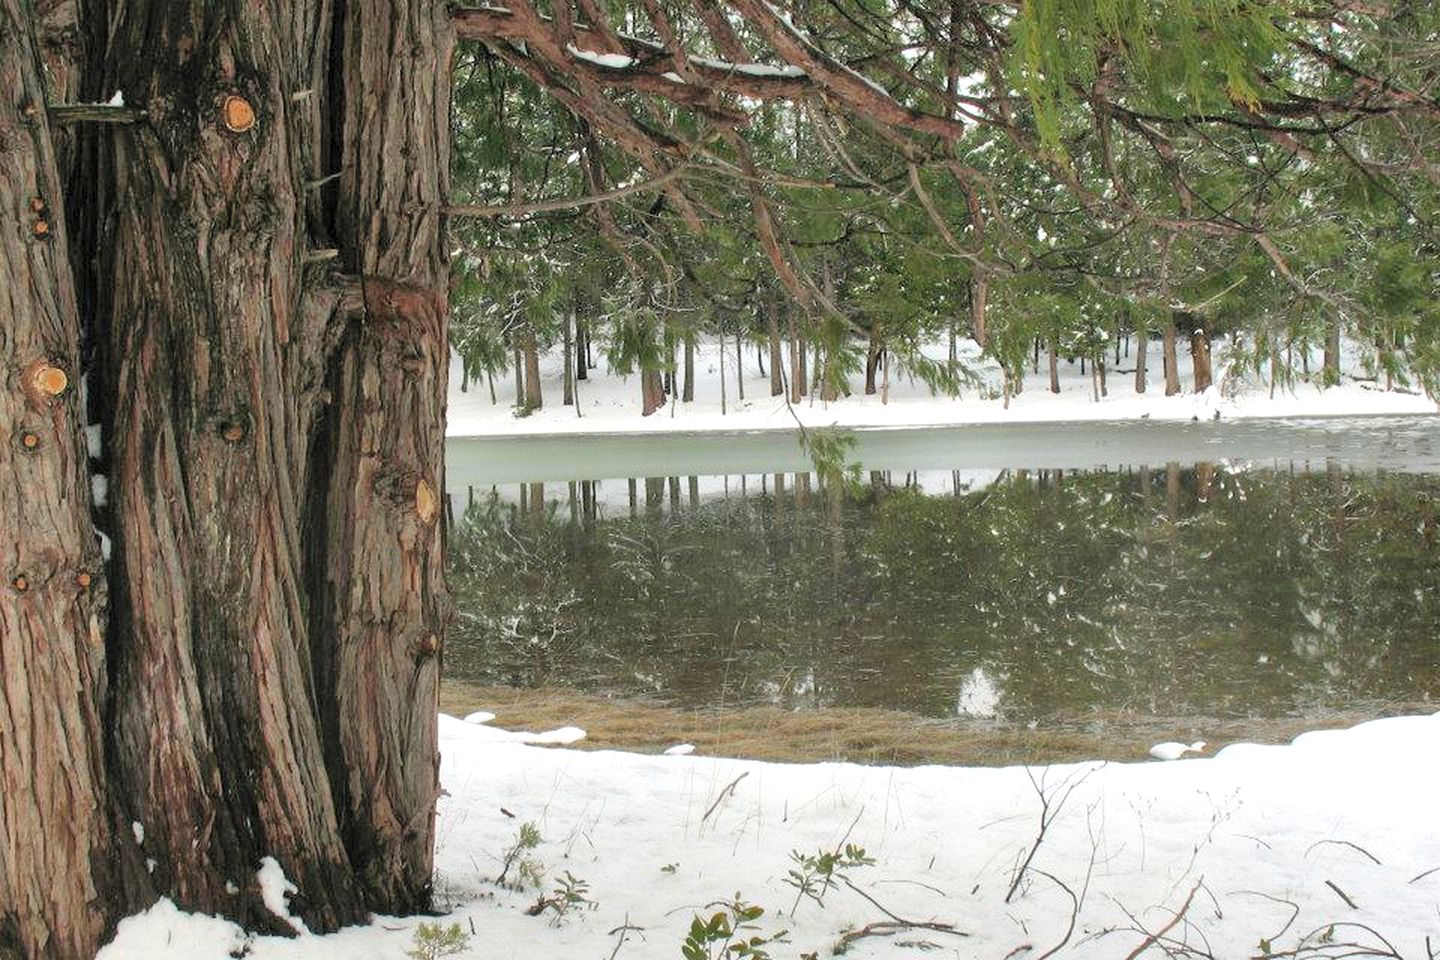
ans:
(802, 375)
(797, 374)
(872, 363)
(722, 372)
(1054, 364)
(568, 374)
(979, 294)
(689, 392)
(534, 399)
(582, 348)
(772, 327)
(739, 367)
(519, 362)
(652, 392)
(56, 846)
(1142, 341)
(1200, 359)
(1172, 372)
(1332, 353)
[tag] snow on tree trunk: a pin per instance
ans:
(56, 853)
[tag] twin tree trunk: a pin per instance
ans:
(263, 680)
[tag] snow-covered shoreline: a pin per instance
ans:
(1259, 846)
(609, 404)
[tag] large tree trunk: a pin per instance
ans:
(216, 376)
(384, 575)
(270, 360)
(56, 855)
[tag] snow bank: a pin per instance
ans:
(1240, 841)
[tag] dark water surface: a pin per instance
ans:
(1253, 569)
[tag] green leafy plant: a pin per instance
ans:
(816, 874)
(529, 871)
(433, 941)
(724, 935)
(570, 894)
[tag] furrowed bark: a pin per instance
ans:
(215, 745)
(383, 606)
(56, 856)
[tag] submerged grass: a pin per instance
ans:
(869, 735)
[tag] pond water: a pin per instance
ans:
(1026, 572)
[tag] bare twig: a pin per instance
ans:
(1421, 876)
(1341, 894)
(1294, 908)
(1345, 843)
(1154, 938)
(624, 932)
(1074, 913)
(1050, 808)
(896, 922)
(726, 791)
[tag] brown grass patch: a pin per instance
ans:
(867, 735)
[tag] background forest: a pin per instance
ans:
(1059, 176)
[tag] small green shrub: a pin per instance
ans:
(529, 871)
(722, 936)
(433, 941)
(818, 873)
(570, 894)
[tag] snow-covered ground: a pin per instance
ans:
(610, 403)
(1328, 841)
